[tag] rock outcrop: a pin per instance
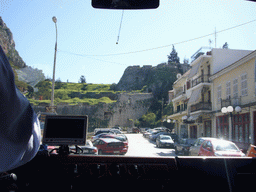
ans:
(25, 73)
(8, 45)
(151, 79)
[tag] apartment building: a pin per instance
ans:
(198, 96)
(234, 101)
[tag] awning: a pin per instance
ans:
(194, 117)
(194, 69)
(195, 95)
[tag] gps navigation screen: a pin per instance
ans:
(65, 129)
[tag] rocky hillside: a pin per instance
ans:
(23, 73)
(8, 45)
(151, 79)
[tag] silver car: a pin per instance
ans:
(194, 150)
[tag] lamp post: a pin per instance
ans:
(54, 19)
(230, 110)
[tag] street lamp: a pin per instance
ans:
(230, 110)
(54, 19)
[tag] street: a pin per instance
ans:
(140, 146)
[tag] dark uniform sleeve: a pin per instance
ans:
(19, 125)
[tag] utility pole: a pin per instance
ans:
(52, 108)
(215, 34)
(162, 111)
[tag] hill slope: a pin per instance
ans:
(157, 80)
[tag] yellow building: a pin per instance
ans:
(201, 93)
(234, 101)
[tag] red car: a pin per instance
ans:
(110, 146)
(219, 147)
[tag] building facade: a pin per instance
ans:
(218, 79)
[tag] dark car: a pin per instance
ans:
(182, 146)
(110, 146)
(164, 141)
(153, 136)
(88, 149)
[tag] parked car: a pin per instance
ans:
(194, 149)
(104, 131)
(110, 146)
(149, 132)
(219, 147)
(251, 151)
(120, 137)
(174, 136)
(182, 146)
(153, 136)
(135, 130)
(88, 149)
(116, 131)
(101, 135)
(164, 141)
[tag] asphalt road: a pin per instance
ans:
(142, 147)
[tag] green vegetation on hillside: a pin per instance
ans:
(73, 93)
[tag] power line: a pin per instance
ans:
(89, 57)
(150, 49)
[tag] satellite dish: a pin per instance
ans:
(178, 75)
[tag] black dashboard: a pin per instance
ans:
(82, 173)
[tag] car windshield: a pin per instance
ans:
(224, 146)
(186, 69)
(166, 138)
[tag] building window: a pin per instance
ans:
(219, 93)
(222, 130)
(193, 132)
(241, 132)
(235, 88)
(244, 89)
(208, 128)
(228, 90)
(188, 85)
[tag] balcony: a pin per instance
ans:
(235, 101)
(181, 108)
(201, 106)
(201, 79)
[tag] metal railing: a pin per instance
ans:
(201, 79)
(235, 101)
(201, 106)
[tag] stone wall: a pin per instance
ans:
(129, 106)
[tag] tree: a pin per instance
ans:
(173, 57)
(30, 92)
(44, 89)
(148, 120)
(186, 61)
(82, 79)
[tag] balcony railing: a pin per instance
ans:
(201, 106)
(201, 79)
(179, 93)
(181, 108)
(235, 101)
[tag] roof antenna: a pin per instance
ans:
(120, 27)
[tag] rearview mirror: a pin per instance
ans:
(125, 4)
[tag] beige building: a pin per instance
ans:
(234, 101)
(219, 78)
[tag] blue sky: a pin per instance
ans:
(87, 36)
